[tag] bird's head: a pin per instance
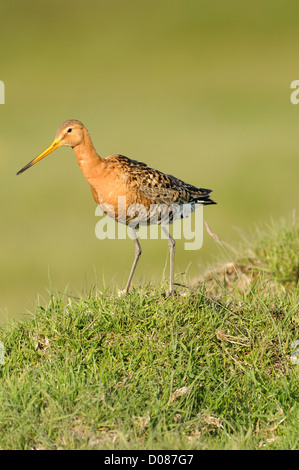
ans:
(70, 133)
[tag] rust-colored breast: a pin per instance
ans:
(139, 185)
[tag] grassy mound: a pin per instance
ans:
(209, 368)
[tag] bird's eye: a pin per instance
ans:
(69, 129)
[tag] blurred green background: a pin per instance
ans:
(198, 89)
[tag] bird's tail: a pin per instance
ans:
(202, 196)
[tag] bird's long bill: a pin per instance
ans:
(50, 149)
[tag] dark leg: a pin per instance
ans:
(137, 256)
(171, 244)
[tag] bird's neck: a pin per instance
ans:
(87, 157)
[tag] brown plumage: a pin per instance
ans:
(161, 196)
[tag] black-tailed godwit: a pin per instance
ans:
(118, 176)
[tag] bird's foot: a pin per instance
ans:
(127, 290)
(121, 292)
(170, 292)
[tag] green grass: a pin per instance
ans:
(209, 369)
